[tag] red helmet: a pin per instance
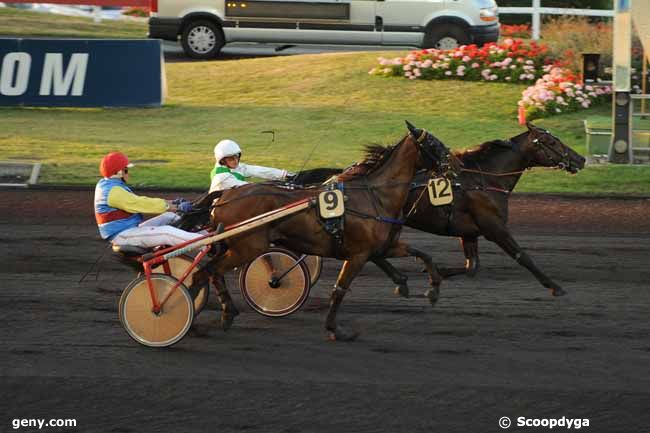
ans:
(112, 163)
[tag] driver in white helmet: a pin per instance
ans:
(228, 172)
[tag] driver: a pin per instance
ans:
(118, 211)
(228, 172)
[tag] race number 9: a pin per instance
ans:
(330, 204)
(440, 192)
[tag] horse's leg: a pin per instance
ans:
(349, 270)
(398, 278)
(215, 270)
(228, 309)
(401, 249)
(470, 249)
(500, 235)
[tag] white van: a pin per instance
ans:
(205, 26)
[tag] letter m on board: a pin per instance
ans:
(57, 82)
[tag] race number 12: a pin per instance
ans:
(440, 192)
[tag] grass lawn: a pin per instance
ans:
(326, 106)
(23, 23)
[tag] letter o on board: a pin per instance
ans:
(14, 76)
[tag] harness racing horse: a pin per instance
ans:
(369, 227)
(481, 190)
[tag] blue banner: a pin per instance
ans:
(81, 73)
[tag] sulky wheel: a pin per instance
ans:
(165, 328)
(315, 266)
(178, 266)
(267, 286)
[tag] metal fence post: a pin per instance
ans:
(536, 19)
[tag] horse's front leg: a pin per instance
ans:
(500, 235)
(350, 269)
(470, 249)
(402, 288)
(401, 249)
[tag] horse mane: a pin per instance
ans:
(482, 151)
(375, 157)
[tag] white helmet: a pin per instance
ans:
(226, 148)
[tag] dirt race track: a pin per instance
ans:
(497, 345)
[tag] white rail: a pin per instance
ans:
(537, 11)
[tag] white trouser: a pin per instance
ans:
(154, 232)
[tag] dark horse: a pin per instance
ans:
(369, 227)
(480, 207)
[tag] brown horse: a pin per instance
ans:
(369, 227)
(480, 208)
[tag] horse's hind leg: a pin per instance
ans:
(398, 278)
(349, 270)
(504, 239)
(228, 309)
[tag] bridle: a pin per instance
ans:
(565, 159)
(426, 142)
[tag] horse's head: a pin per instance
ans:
(547, 150)
(434, 154)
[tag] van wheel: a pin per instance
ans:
(202, 39)
(445, 37)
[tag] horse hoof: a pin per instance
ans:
(402, 290)
(433, 295)
(340, 334)
(228, 317)
(558, 292)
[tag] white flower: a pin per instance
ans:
(447, 72)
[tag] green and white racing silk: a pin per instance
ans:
(223, 178)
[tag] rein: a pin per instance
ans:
(489, 173)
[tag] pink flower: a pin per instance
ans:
(466, 59)
(475, 65)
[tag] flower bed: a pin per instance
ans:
(559, 92)
(555, 89)
(510, 61)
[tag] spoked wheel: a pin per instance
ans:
(178, 266)
(315, 266)
(274, 284)
(165, 328)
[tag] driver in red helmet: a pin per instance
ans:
(119, 211)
